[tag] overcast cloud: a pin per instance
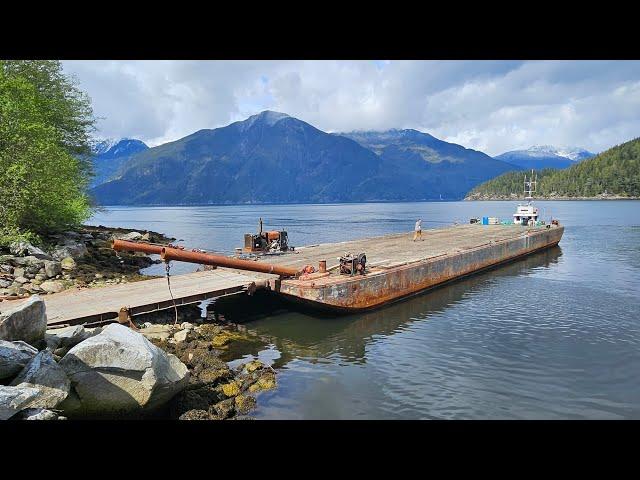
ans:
(493, 106)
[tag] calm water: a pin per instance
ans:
(556, 335)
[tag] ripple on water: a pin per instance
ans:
(555, 335)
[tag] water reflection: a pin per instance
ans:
(345, 338)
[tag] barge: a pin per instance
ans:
(399, 267)
(393, 268)
(376, 271)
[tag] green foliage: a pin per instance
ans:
(45, 124)
(613, 172)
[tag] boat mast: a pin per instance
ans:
(530, 187)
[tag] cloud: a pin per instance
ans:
(493, 106)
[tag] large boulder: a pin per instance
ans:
(44, 373)
(120, 371)
(14, 399)
(14, 356)
(68, 337)
(26, 322)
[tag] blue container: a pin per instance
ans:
(485, 220)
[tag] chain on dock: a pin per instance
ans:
(167, 267)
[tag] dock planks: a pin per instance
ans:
(76, 306)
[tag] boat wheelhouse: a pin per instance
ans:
(527, 214)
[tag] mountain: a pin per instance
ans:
(274, 158)
(614, 173)
(110, 155)
(270, 157)
(545, 156)
(421, 162)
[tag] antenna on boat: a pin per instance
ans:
(527, 214)
(530, 186)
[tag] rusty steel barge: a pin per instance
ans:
(394, 266)
(399, 267)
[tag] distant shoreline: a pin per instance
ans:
(561, 199)
(492, 199)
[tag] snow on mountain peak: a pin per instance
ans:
(572, 153)
(115, 147)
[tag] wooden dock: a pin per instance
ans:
(89, 305)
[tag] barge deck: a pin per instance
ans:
(398, 267)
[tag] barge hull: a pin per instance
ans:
(383, 286)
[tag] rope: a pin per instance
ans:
(167, 266)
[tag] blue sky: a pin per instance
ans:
(493, 106)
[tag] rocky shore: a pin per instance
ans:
(157, 371)
(143, 370)
(81, 259)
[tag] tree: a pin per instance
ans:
(45, 129)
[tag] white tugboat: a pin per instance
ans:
(527, 214)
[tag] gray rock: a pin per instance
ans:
(14, 399)
(26, 322)
(25, 248)
(131, 236)
(44, 373)
(33, 288)
(31, 270)
(14, 356)
(181, 336)
(21, 280)
(19, 272)
(71, 248)
(27, 261)
(68, 337)
(52, 268)
(157, 332)
(5, 283)
(119, 371)
(52, 286)
(37, 414)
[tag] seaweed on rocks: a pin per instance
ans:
(215, 391)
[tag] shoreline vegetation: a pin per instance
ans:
(611, 175)
(514, 197)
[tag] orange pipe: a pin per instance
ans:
(221, 261)
(125, 245)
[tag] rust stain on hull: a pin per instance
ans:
(382, 286)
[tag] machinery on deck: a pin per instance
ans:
(273, 241)
(353, 264)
